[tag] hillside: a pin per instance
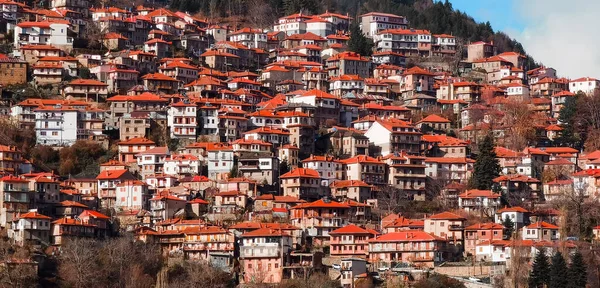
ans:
(439, 17)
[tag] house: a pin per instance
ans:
(65, 228)
(448, 226)
(481, 232)
(394, 136)
(518, 215)
(12, 71)
(479, 50)
(356, 190)
(364, 168)
(302, 183)
(262, 254)
(434, 122)
(85, 89)
(374, 22)
(131, 195)
(350, 241)
(209, 243)
(182, 118)
(15, 197)
(164, 205)
(182, 165)
(129, 148)
(485, 202)
(320, 217)
(97, 219)
(30, 228)
(540, 231)
(407, 172)
(108, 182)
(220, 158)
(348, 63)
(412, 246)
(55, 33)
(352, 269)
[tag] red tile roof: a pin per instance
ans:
(111, 174)
(543, 225)
(446, 216)
(301, 172)
(406, 236)
(34, 215)
(322, 204)
(349, 230)
(475, 193)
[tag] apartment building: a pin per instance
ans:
(412, 246)
(320, 217)
(263, 253)
(374, 22)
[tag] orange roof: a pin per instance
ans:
(94, 214)
(322, 204)
(433, 118)
(512, 209)
(137, 141)
(543, 225)
(301, 172)
(265, 232)
(71, 222)
(405, 222)
(159, 77)
(348, 183)
(268, 130)
(485, 226)
(218, 53)
(34, 215)
(68, 203)
(111, 174)
(113, 35)
(406, 236)
(349, 229)
(13, 179)
(446, 216)
(449, 160)
(362, 159)
(475, 193)
(87, 82)
(560, 161)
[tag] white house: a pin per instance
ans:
(182, 118)
(586, 85)
(43, 33)
(56, 125)
(220, 161)
(518, 215)
(31, 227)
(182, 164)
(131, 195)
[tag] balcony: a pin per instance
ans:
(260, 251)
(170, 240)
(455, 227)
(23, 199)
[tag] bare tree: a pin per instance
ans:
(198, 274)
(260, 14)
(16, 267)
(518, 120)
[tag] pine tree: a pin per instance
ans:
(567, 117)
(558, 272)
(358, 42)
(577, 274)
(486, 167)
(539, 276)
(509, 226)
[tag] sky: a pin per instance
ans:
(560, 34)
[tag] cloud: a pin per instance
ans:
(561, 34)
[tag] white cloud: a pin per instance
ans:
(561, 34)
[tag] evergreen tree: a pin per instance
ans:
(539, 275)
(577, 274)
(558, 272)
(509, 226)
(358, 42)
(486, 167)
(567, 116)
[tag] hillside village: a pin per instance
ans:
(274, 154)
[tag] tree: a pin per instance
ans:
(558, 272)
(81, 158)
(16, 267)
(358, 42)
(577, 274)
(567, 116)
(486, 167)
(284, 167)
(234, 172)
(509, 226)
(198, 274)
(117, 262)
(538, 277)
